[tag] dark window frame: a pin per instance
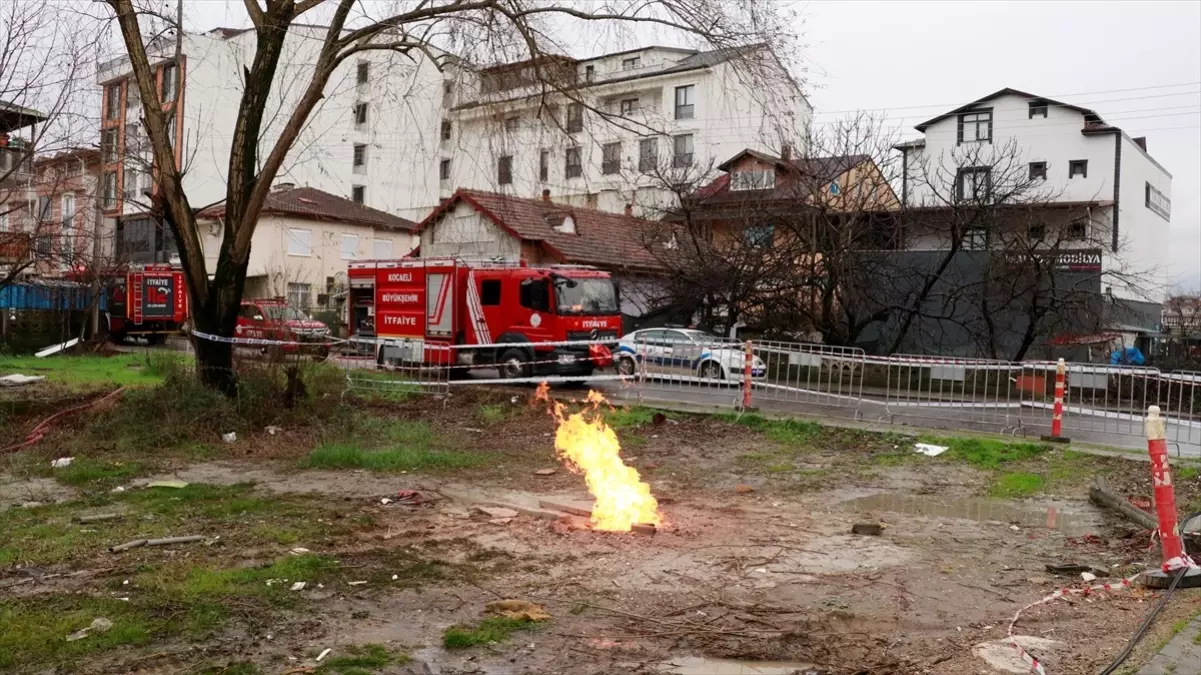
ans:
(573, 169)
(687, 109)
(1077, 230)
(490, 292)
(962, 121)
(1038, 108)
(648, 161)
(504, 170)
(543, 165)
(447, 128)
(611, 164)
(590, 73)
(973, 170)
(1077, 166)
(628, 106)
(1162, 211)
(1038, 170)
(363, 72)
(631, 63)
(360, 113)
(527, 298)
(575, 118)
(682, 160)
(112, 110)
(444, 169)
(359, 157)
(1036, 232)
(358, 194)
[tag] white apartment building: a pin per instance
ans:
(612, 129)
(372, 139)
(1114, 199)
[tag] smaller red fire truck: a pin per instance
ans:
(149, 301)
(419, 307)
(276, 320)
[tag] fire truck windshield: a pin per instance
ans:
(593, 295)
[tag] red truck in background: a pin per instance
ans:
(276, 320)
(149, 301)
(420, 306)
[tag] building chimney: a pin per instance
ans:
(629, 209)
(283, 187)
(786, 152)
(1141, 142)
(545, 194)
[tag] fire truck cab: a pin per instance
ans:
(149, 301)
(417, 308)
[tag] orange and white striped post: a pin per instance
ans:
(1174, 557)
(748, 361)
(1057, 411)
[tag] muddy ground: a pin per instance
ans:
(755, 562)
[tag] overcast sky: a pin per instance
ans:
(1137, 63)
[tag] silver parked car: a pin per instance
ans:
(683, 351)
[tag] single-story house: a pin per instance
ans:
(304, 241)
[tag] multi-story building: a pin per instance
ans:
(18, 129)
(1101, 194)
(62, 213)
(617, 129)
(372, 139)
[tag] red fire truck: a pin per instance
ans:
(149, 301)
(418, 307)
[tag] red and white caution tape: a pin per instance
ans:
(1035, 665)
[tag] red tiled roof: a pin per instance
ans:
(315, 204)
(608, 240)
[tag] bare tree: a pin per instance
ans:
(443, 32)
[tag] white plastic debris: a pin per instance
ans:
(298, 586)
(355, 583)
(395, 577)
(98, 625)
(54, 349)
(298, 551)
(272, 582)
(19, 380)
(929, 450)
(230, 437)
(1088, 576)
(61, 462)
(272, 429)
(324, 653)
(385, 501)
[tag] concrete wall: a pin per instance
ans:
(1143, 234)
(465, 232)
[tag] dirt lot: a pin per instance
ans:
(755, 562)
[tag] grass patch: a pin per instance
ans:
(987, 453)
(628, 417)
(1017, 484)
(492, 413)
(86, 372)
(490, 630)
(1187, 472)
(84, 471)
(787, 431)
(361, 659)
(390, 445)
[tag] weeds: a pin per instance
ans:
(361, 659)
(492, 413)
(389, 445)
(629, 417)
(490, 630)
(1017, 484)
(84, 471)
(787, 431)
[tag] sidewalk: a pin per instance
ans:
(1181, 656)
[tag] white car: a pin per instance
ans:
(684, 351)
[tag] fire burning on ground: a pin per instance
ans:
(590, 447)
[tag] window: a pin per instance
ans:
(133, 98)
(43, 246)
(364, 72)
(973, 184)
(1038, 171)
(170, 83)
(490, 292)
(682, 155)
(535, 294)
(758, 179)
(300, 295)
(975, 126)
(572, 168)
(543, 165)
(1078, 167)
(446, 127)
(685, 103)
(360, 158)
(1038, 109)
(45, 210)
(1077, 230)
(300, 242)
(171, 128)
(1158, 202)
(504, 170)
(381, 249)
(112, 99)
(350, 246)
(975, 239)
(628, 106)
(511, 124)
(360, 114)
(66, 210)
(759, 236)
(3, 222)
(610, 158)
(108, 190)
(589, 73)
(444, 170)
(108, 145)
(575, 118)
(835, 188)
(358, 194)
(1036, 232)
(648, 154)
(631, 63)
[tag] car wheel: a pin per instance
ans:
(626, 366)
(512, 364)
(711, 370)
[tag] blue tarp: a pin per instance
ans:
(48, 295)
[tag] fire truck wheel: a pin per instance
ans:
(512, 364)
(711, 370)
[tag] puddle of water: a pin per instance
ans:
(1072, 520)
(698, 665)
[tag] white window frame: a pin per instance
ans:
(976, 126)
(299, 242)
(632, 63)
(67, 215)
(300, 295)
(628, 106)
(381, 249)
(350, 246)
(169, 94)
(756, 179)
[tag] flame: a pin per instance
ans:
(588, 446)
